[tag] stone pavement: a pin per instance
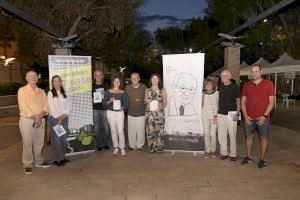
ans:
(152, 177)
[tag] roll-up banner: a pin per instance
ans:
(183, 80)
(75, 72)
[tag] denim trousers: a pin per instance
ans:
(100, 128)
(58, 144)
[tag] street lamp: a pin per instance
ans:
(191, 50)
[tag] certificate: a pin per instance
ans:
(97, 97)
(59, 130)
(117, 105)
(153, 105)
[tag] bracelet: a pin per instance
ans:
(265, 116)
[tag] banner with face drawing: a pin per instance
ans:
(183, 80)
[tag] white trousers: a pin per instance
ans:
(116, 124)
(136, 131)
(210, 134)
(227, 127)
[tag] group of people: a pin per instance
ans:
(135, 99)
(221, 107)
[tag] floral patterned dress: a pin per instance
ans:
(155, 123)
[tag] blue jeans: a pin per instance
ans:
(58, 144)
(100, 128)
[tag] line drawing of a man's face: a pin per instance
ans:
(184, 88)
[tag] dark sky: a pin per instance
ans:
(165, 13)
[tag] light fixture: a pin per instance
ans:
(191, 50)
(265, 20)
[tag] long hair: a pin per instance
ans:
(159, 80)
(53, 90)
(212, 82)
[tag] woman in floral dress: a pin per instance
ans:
(155, 119)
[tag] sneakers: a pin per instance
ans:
(206, 155)
(42, 165)
(261, 164)
(28, 170)
(116, 151)
(123, 152)
(232, 158)
(246, 161)
(224, 157)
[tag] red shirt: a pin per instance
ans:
(257, 97)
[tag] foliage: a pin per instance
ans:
(268, 39)
(9, 88)
(92, 20)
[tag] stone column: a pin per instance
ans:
(232, 62)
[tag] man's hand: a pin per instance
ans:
(248, 120)
(261, 120)
(38, 118)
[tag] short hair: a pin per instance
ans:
(256, 65)
(210, 81)
(135, 73)
(98, 70)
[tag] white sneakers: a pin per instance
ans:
(116, 151)
(123, 152)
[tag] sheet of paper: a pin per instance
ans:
(59, 130)
(116, 104)
(231, 115)
(97, 97)
(153, 105)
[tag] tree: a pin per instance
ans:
(92, 20)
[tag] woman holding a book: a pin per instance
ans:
(59, 110)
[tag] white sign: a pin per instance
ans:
(290, 75)
(183, 81)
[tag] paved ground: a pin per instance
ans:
(152, 177)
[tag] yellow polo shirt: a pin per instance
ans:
(32, 102)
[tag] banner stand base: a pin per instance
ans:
(80, 152)
(195, 153)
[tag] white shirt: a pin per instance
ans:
(58, 105)
(210, 104)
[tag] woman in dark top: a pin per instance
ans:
(116, 103)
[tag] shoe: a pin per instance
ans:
(123, 152)
(61, 163)
(261, 164)
(55, 163)
(140, 149)
(232, 158)
(224, 157)
(28, 170)
(246, 161)
(106, 147)
(213, 155)
(66, 160)
(42, 165)
(99, 148)
(130, 149)
(160, 152)
(116, 151)
(206, 155)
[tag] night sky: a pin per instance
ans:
(165, 13)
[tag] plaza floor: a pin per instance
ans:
(143, 176)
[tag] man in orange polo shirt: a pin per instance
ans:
(33, 108)
(258, 97)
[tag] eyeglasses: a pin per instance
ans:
(184, 89)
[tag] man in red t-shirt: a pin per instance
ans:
(258, 97)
